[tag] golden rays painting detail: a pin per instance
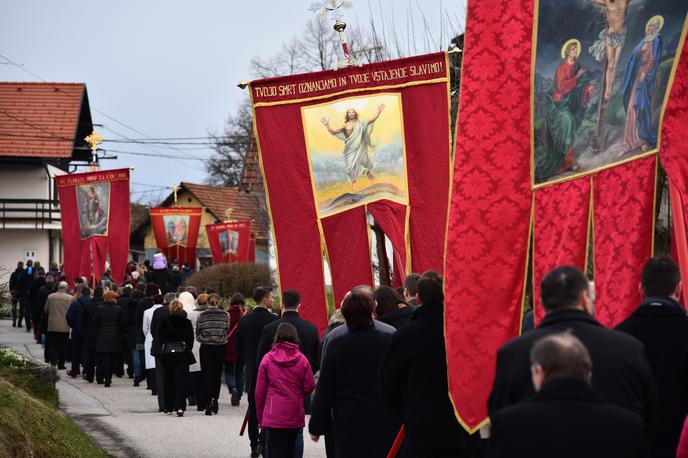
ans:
(356, 151)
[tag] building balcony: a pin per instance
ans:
(30, 214)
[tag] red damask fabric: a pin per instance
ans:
(560, 231)
(623, 198)
(488, 232)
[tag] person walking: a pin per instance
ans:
(158, 315)
(561, 368)
(15, 286)
(110, 323)
(134, 328)
(661, 324)
(246, 342)
(284, 378)
(175, 337)
(391, 307)
(421, 402)
(234, 363)
(143, 304)
(347, 395)
(34, 313)
(56, 307)
(75, 319)
(149, 357)
(195, 388)
(212, 328)
(25, 280)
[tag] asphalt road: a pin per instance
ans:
(125, 420)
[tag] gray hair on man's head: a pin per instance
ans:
(62, 286)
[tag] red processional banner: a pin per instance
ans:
(95, 220)
(176, 232)
(230, 242)
(338, 146)
(560, 123)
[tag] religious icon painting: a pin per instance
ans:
(602, 71)
(93, 202)
(356, 151)
(229, 242)
(176, 229)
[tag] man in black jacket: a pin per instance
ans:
(25, 280)
(158, 315)
(566, 417)
(414, 380)
(247, 339)
(622, 375)
(15, 284)
(34, 313)
(661, 324)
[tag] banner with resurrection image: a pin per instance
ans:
(340, 146)
(602, 72)
(356, 151)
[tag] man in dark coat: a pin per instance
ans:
(246, 341)
(36, 309)
(622, 375)
(25, 280)
(347, 400)
(91, 334)
(158, 315)
(566, 418)
(41, 298)
(414, 383)
(15, 284)
(661, 324)
(110, 325)
(75, 319)
(125, 356)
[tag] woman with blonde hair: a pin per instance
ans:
(175, 335)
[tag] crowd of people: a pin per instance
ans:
(568, 388)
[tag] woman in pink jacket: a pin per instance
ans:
(682, 451)
(284, 379)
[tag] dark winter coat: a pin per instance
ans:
(90, 322)
(75, 315)
(347, 396)
(25, 280)
(36, 285)
(175, 328)
(661, 325)
(158, 315)
(566, 419)
(621, 373)
(247, 339)
(160, 278)
(399, 317)
(184, 273)
(132, 329)
(414, 386)
(15, 281)
(110, 323)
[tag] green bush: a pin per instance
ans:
(227, 279)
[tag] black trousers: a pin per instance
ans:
(106, 364)
(89, 363)
(254, 435)
(77, 352)
(28, 312)
(212, 365)
(160, 382)
(15, 303)
(23, 301)
(175, 384)
(57, 347)
(281, 442)
(196, 387)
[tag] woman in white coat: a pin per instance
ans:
(193, 308)
(148, 342)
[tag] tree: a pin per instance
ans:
(225, 167)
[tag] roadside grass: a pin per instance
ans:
(31, 425)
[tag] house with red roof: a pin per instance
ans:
(42, 131)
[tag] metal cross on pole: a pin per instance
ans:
(333, 8)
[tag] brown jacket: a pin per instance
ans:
(56, 307)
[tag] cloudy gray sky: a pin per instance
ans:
(169, 68)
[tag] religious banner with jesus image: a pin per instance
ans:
(602, 72)
(176, 232)
(338, 146)
(95, 220)
(230, 242)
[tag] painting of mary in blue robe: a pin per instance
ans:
(639, 80)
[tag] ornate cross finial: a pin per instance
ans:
(228, 215)
(94, 140)
(175, 189)
(333, 7)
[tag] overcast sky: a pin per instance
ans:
(168, 68)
